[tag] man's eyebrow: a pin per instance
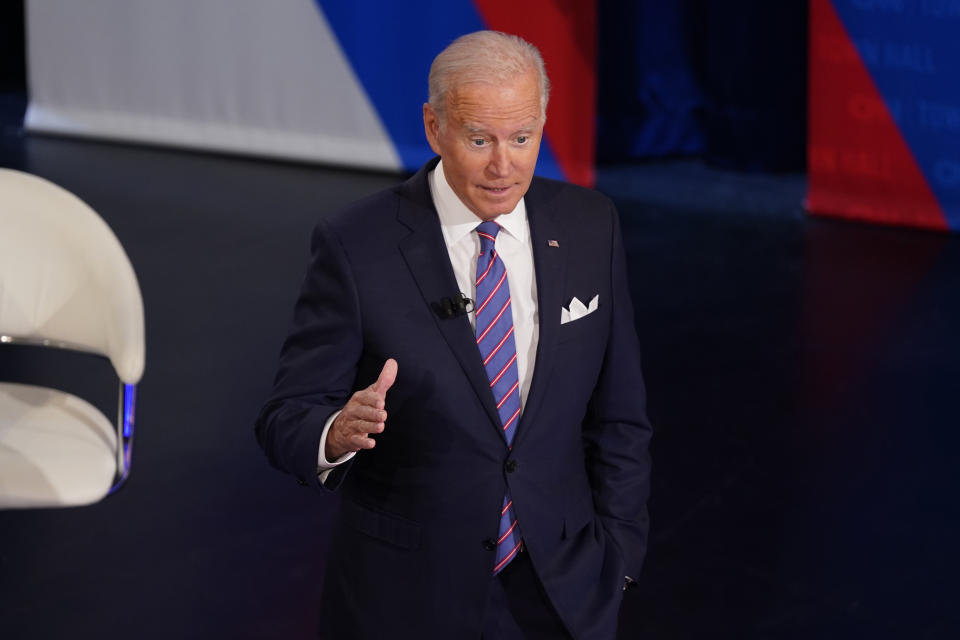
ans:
(480, 129)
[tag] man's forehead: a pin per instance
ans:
(466, 82)
(520, 87)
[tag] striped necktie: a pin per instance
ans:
(494, 328)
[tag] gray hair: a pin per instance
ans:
(484, 56)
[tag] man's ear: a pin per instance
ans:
(431, 127)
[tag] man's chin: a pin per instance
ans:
(490, 214)
(497, 207)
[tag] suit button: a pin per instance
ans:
(512, 465)
(302, 483)
(490, 544)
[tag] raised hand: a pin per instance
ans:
(364, 414)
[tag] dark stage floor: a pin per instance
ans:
(803, 378)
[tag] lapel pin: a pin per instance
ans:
(553, 243)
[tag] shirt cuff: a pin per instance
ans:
(324, 466)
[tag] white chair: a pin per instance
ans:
(65, 282)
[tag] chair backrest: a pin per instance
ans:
(64, 276)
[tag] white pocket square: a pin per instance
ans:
(577, 309)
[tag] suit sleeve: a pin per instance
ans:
(616, 431)
(318, 365)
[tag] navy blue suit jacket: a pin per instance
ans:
(411, 552)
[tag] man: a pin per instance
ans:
(491, 454)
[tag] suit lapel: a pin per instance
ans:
(426, 255)
(549, 259)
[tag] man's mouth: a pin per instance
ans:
(495, 190)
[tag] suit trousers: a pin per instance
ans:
(518, 607)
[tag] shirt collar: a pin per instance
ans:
(457, 221)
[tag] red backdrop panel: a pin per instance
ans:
(859, 164)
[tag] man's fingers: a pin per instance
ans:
(362, 428)
(366, 398)
(361, 439)
(365, 413)
(365, 443)
(388, 376)
(348, 434)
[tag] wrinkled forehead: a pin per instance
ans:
(479, 104)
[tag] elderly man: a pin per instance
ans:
(464, 370)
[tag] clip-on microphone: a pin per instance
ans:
(452, 307)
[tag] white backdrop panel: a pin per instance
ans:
(241, 76)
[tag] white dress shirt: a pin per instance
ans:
(513, 245)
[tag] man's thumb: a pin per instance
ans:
(387, 376)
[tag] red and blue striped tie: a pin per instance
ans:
(494, 327)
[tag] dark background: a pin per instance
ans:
(802, 373)
(723, 81)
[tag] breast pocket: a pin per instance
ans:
(584, 327)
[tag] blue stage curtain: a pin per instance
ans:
(724, 80)
(648, 97)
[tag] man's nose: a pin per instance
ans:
(499, 161)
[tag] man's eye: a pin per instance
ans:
(522, 139)
(479, 142)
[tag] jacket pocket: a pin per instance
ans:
(387, 527)
(588, 325)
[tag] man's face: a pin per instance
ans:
(490, 142)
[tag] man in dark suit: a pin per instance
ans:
(491, 453)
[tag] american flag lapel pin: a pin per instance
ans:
(553, 243)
